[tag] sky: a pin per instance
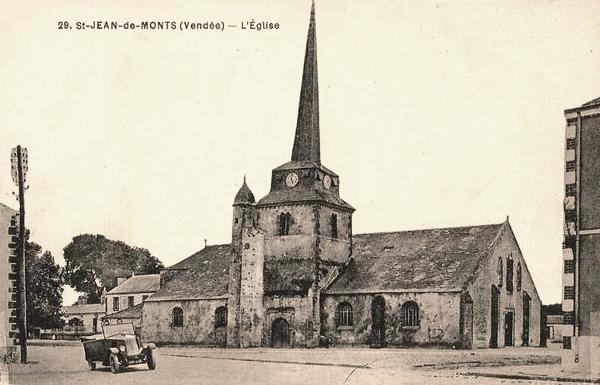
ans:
(434, 114)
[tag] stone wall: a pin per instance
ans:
(198, 322)
(251, 288)
(480, 291)
(438, 314)
(303, 221)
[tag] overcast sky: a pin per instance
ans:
(434, 114)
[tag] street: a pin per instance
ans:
(65, 365)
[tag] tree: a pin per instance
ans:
(94, 262)
(44, 288)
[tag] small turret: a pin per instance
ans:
(244, 196)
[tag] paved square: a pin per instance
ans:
(65, 365)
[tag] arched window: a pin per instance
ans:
(509, 274)
(343, 315)
(519, 276)
(285, 221)
(334, 227)
(409, 314)
(221, 316)
(500, 271)
(177, 317)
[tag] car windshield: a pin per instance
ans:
(113, 330)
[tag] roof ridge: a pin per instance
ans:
(429, 229)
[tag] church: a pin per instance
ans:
(295, 275)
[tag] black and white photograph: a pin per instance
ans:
(300, 192)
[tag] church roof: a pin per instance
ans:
(204, 274)
(244, 195)
(303, 195)
(420, 260)
(307, 141)
(145, 283)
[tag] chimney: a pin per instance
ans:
(205, 243)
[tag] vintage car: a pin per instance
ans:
(118, 347)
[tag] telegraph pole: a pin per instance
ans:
(19, 171)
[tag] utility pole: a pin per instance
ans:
(19, 171)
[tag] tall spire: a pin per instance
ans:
(307, 145)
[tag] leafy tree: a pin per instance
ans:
(94, 262)
(44, 287)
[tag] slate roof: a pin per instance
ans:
(244, 195)
(204, 274)
(145, 283)
(420, 260)
(303, 195)
(132, 312)
(307, 144)
(83, 309)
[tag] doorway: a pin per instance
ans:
(466, 321)
(508, 329)
(280, 334)
(494, 317)
(526, 306)
(378, 318)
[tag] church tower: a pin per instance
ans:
(307, 226)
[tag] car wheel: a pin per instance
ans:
(151, 359)
(114, 363)
(91, 365)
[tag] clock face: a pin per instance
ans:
(327, 182)
(292, 179)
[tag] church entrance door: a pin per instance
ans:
(494, 317)
(508, 329)
(280, 334)
(378, 318)
(466, 321)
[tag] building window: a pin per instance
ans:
(177, 317)
(509, 274)
(115, 303)
(409, 314)
(519, 276)
(569, 292)
(569, 266)
(571, 143)
(500, 272)
(566, 342)
(334, 228)
(285, 220)
(570, 190)
(130, 301)
(343, 315)
(570, 166)
(221, 316)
